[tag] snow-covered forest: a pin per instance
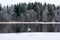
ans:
(31, 12)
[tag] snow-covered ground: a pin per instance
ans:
(30, 36)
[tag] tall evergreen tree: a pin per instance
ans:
(50, 13)
(30, 6)
(58, 7)
(44, 6)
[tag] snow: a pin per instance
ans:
(30, 36)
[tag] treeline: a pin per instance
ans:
(31, 12)
(25, 12)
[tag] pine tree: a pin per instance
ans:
(58, 7)
(44, 6)
(50, 13)
(30, 6)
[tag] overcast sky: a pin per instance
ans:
(9, 2)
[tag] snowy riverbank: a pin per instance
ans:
(30, 36)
